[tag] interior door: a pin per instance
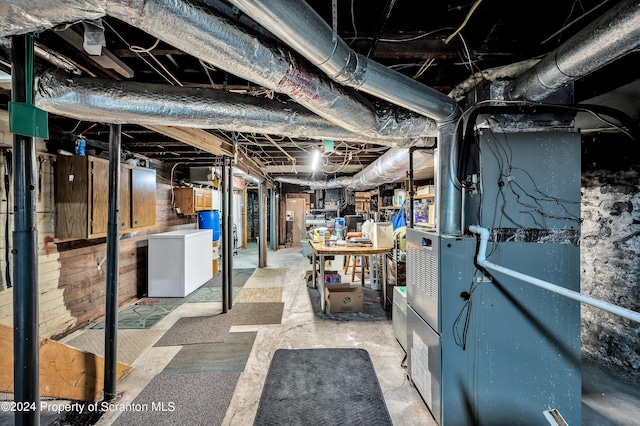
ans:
(296, 212)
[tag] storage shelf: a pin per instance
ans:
(422, 196)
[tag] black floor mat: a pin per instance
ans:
(322, 387)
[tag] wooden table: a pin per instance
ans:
(321, 250)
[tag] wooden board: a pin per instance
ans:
(65, 372)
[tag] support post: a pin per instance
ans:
(26, 369)
(262, 239)
(113, 265)
(229, 258)
(224, 234)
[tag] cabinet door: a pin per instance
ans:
(143, 197)
(199, 199)
(99, 197)
(208, 199)
(185, 200)
(125, 197)
(71, 197)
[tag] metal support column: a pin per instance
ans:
(113, 265)
(26, 369)
(262, 239)
(224, 231)
(230, 239)
(273, 219)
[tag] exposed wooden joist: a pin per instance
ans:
(197, 138)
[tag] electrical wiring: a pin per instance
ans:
(427, 63)
(404, 40)
(460, 337)
(464, 23)
(167, 79)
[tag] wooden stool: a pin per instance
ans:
(364, 261)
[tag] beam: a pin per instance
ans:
(197, 138)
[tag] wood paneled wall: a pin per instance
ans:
(72, 274)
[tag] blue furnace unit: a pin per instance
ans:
(487, 348)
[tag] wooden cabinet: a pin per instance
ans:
(192, 200)
(363, 202)
(143, 198)
(82, 197)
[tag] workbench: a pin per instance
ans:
(320, 250)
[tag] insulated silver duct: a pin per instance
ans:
(301, 28)
(213, 39)
(615, 34)
(154, 104)
(391, 165)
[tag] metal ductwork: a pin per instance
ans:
(301, 28)
(612, 36)
(213, 39)
(387, 168)
(162, 105)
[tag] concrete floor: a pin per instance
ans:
(607, 399)
(299, 328)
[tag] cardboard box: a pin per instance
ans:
(382, 234)
(344, 299)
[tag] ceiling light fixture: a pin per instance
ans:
(316, 159)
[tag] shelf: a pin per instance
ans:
(422, 196)
(390, 207)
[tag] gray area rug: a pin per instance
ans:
(322, 387)
(192, 330)
(257, 313)
(372, 308)
(230, 356)
(186, 398)
(148, 311)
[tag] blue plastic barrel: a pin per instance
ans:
(210, 219)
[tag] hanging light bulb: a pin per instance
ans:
(316, 159)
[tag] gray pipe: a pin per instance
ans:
(615, 34)
(391, 165)
(154, 104)
(213, 39)
(301, 28)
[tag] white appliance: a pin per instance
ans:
(179, 262)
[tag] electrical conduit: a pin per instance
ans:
(481, 260)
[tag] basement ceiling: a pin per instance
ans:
(439, 44)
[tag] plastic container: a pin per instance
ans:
(374, 273)
(366, 229)
(210, 219)
(80, 146)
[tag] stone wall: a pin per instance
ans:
(610, 260)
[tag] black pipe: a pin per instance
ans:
(229, 258)
(26, 371)
(383, 21)
(225, 236)
(113, 265)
